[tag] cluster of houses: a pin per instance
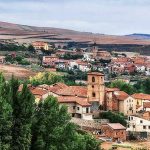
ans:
(85, 101)
(97, 59)
(130, 65)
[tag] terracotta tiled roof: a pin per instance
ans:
(38, 91)
(121, 95)
(60, 84)
(73, 99)
(71, 91)
(146, 105)
(141, 96)
(57, 86)
(116, 126)
(96, 73)
(80, 90)
(38, 43)
(64, 90)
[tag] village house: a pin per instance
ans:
(101, 55)
(72, 64)
(78, 107)
(74, 97)
(38, 45)
(40, 94)
(83, 66)
(140, 99)
(50, 60)
(129, 68)
(139, 126)
(120, 101)
(62, 64)
(88, 56)
(115, 131)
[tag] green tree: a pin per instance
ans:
(45, 78)
(52, 129)
(23, 109)
(31, 48)
(123, 86)
(143, 86)
(5, 115)
(114, 117)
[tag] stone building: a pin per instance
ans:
(96, 90)
(115, 131)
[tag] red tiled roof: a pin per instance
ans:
(80, 90)
(60, 84)
(70, 91)
(121, 95)
(141, 96)
(73, 99)
(64, 90)
(38, 91)
(38, 43)
(116, 126)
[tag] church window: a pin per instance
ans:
(93, 94)
(93, 79)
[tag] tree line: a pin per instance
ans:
(141, 86)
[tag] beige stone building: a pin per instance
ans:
(41, 45)
(96, 90)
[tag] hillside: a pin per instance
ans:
(24, 33)
(139, 36)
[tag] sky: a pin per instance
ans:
(115, 17)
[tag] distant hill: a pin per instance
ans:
(139, 36)
(27, 34)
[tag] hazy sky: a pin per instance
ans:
(99, 16)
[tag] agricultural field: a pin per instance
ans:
(18, 72)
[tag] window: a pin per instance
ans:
(93, 94)
(74, 107)
(141, 121)
(92, 86)
(78, 108)
(148, 127)
(144, 127)
(93, 79)
(133, 126)
(87, 110)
